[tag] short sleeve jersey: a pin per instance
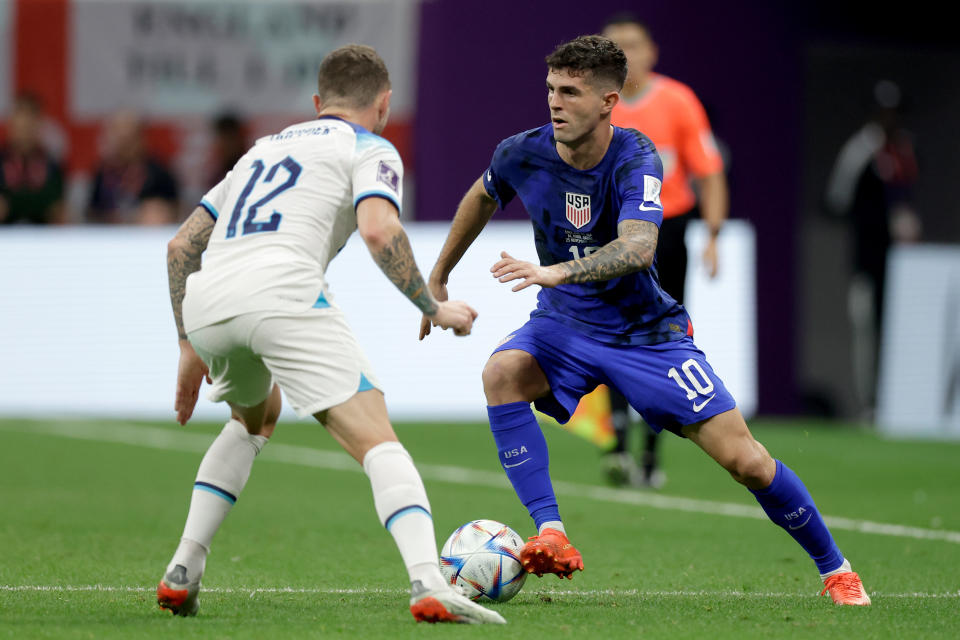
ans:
(576, 212)
(672, 117)
(283, 212)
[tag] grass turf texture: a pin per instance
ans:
(84, 512)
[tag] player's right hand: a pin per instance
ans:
(456, 315)
(439, 291)
(190, 374)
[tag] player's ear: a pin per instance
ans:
(610, 100)
(383, 107)
(317, 104)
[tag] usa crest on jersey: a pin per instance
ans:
(578, 209)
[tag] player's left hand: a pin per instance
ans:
(509, 268)
(710, 257)
(190, 374)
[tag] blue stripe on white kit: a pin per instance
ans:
(376, 194)
(365, 384)
(217, 491)
(405, 511)
(212, 210)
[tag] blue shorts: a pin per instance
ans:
(670, 384)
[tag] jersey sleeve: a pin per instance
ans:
(638, 179)
(216, 199)
(494, 178)
(378, 171)
(697, 149)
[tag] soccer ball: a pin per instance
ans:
(483, 557)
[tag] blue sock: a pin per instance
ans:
(788, 504)
(524, 457)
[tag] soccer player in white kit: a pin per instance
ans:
(258, 318)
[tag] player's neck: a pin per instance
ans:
(362, 118)
(587, 152)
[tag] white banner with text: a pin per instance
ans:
(185, 58)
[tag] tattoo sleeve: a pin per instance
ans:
(395, 259)
(632, 251)
(183, 258)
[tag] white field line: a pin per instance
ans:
(592, 593)
(186, 441)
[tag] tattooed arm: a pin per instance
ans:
(183, 258)
(380, 228)
(632, 251)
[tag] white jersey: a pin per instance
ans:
(283, 212)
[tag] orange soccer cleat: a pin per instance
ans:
(551, 552)
(846, 588)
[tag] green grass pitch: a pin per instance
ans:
(91, 512)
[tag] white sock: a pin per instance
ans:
(192, 556)
(552, 524)
(843, 568)
(403, 508)
(221, 477)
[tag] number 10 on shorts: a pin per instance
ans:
(698, 380)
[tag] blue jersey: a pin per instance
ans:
(576, 212)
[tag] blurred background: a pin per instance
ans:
(839, 122)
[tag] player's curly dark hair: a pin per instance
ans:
(353, 74)
(600, 56)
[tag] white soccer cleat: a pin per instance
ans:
(178, 593)
(448, 604)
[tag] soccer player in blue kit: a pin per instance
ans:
(593, 194)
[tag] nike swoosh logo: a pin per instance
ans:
(511, 466)
(800, 526)
(643, 208)
(698, 407)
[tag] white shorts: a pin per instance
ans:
(313, 357)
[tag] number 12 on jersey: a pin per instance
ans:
(250, 224)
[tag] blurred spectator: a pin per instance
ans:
(31, 181)
(229, 145)
(130, 187)
(871, 187)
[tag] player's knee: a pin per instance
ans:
(493, 383)
(752, 466)
(504, 381)
(497, 376)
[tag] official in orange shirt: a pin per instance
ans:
(668, 112)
